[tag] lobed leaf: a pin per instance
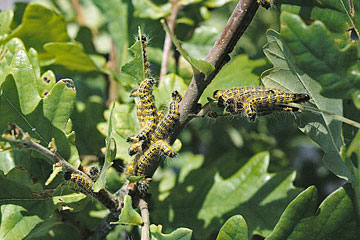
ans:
(40, 25)
(324, 130)
(43, 118)
(148, 9)
(177, 234)
(6, 18)
(128, 215)
(317, 54)
(335, 218)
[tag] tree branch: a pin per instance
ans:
(171, 20)
(23, 140)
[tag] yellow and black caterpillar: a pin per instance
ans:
(152, 153)
(148, 110)
(257, 101)
(79, 180)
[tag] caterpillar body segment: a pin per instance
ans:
(152, 153)
(266, 103)
(131, 168)
(145, 59)
(169, 120)
(224, 96)
(79, 180)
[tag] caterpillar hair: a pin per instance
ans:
(169, 120)
(79, 180)
(152, 153)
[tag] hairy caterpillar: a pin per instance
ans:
(252, 104)
(79, 180)
(264, 3)
(152, 153)
(224, 97)
(144, 46)
(92, 171)
(149, 110)
(170, 118)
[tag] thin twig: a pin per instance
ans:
(145, 234)
(171, 20)
(79, 13)
(113, 85)
(17, 136)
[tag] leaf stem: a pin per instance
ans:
(316, 110)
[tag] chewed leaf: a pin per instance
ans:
(322, 128)
(178, 234)
(128, 215)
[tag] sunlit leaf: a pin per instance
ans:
(235, 228)
(320, 127)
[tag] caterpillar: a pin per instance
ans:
(144, 46)
(153, 152)
(92, 171)
(264, 3)
(149, 110)
(250, 106)
(168, 121)
(79, 180)
(224, 96)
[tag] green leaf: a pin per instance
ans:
(201, 41)
(324, 130)
(109, 154)
(197, 65)
(43, 119)
(167, 85)
(118, 14)
(316, 53)
(8, 52)
(216, 3)
(123, 127)
(148, 9)
(235, 228)
(202, 199)
(40, 25)
(178, 234)
(46, 82)
(15, 222)
(70, 55)
(18, 189)
(6, 18)
(335, 218)
(6, 161)
(136, 67)
(25, 80)
(339, 16)
(128, 215)
(238, 72)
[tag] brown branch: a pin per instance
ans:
(79, 13)
(219, 55)
(23, 140)
(171, 20)
(112, 84)
(145, 234)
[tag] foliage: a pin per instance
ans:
(232, 179)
